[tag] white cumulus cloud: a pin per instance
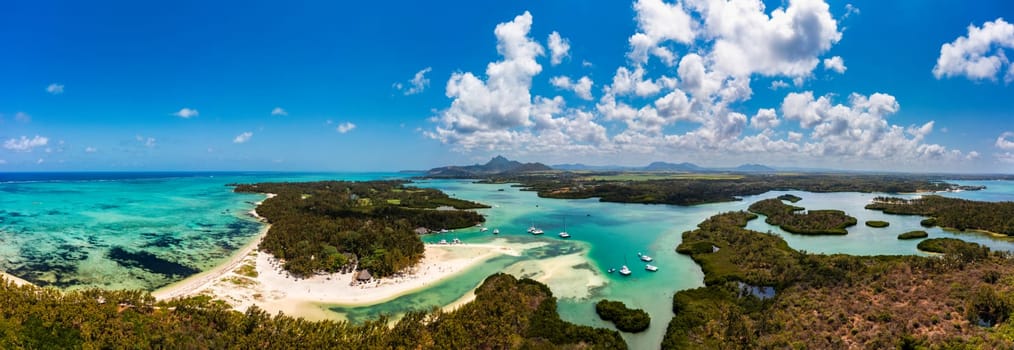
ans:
(691, 103)
(25, 144)
(658, 23)
(785, 42)
(90, 149)
(186, 113)
(979, 55)
(242, 138)
(1005, 141)
(582, 87)
(55, 89)
(765, 118)
(835, 63)
(279, 111)
(559, 48)
(345, 127)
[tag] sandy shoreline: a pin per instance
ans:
(274, 290)
(17, 281)
(190, 285)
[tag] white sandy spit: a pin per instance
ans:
(274, 290)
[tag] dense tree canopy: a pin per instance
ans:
(690, 189)
(959, 301)
(332, 226)
(953, 213)
(507, 313)
(627, 320)
(877, 223)
(913, 235)
(813, 222)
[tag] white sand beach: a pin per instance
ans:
(17, 281)
(252, 278)
(274, 290)
(192, 284)
(566, 275)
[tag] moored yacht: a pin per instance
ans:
(624, 270)
(650, 267)
(645, 258)
(535, 230)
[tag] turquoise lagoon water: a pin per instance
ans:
(612, 234)
(119, 230)
(66, 233)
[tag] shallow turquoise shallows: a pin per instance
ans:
(145, 231)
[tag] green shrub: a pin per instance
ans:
(877, 223)
(913, 235)
(627, 320)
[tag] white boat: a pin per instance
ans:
(483, 229)
(645, 258)
(443, 230)
(650, 267)
(443, 241)
(534, 230)
(496, 231)
(564, 234)
(624, 270)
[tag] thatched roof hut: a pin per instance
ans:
(421, 230)
(364, 275)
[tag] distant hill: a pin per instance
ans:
(663, 166)
(667, 167)
(754, 168)
(579, 166)
(497, 165)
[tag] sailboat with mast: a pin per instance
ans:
(564, 233)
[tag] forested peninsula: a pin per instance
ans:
(760, 293)
(958, 214)
(333, 226)
(799, 221)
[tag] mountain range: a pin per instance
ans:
(500, 165)
(670, 167)
(495, 166)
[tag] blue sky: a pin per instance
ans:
(193, 85)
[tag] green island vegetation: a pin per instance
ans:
(339, 226)
(959, 214)
(913, 235)
(759, 294)
(646, 176)
(699, 188)
(507, 313)
(790, 198)
(877, 223)
(952, 246)
(812, 222)
(627, 320)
